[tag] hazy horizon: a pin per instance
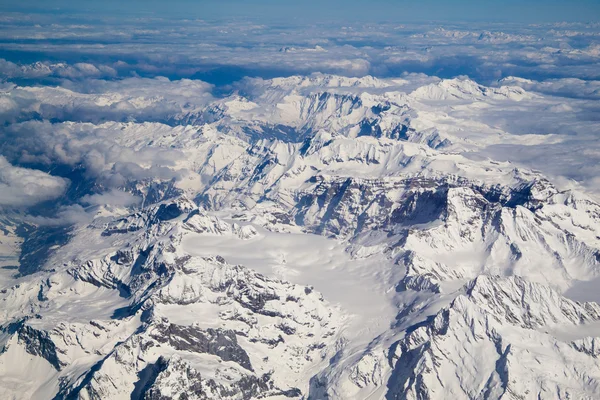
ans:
(528, 11)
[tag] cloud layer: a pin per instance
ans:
(225, 51)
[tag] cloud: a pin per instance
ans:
(111, 153)
(41, 69)
(566, 87)
(112, 197)
(23, 187)
(157, 99)
(225, 51)
(76, 214)
(65, 215)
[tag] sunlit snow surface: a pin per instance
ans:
(170, 227)
(309, 259)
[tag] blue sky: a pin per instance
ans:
(400, 10)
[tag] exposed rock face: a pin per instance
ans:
(38, 343)
(222, 344)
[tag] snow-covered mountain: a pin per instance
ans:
(304, 237)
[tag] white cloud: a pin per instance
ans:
(65, 215)
(93, 100)
(566, 87)
(230, 50)
(23, 187)
(57, 70)
(110, 152)
(112, 197)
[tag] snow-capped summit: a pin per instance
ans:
(466, 89)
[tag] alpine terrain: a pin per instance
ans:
(308, 237)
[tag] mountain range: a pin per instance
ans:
(308, 237)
